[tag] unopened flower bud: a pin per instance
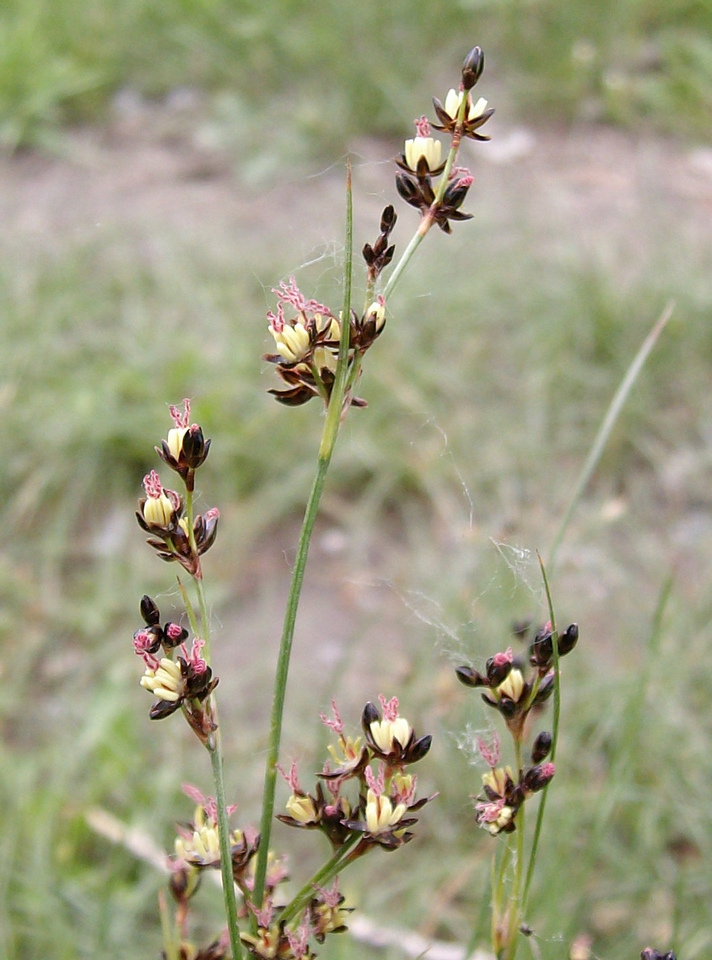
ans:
(546, 688)
(376, 314)
(538, 777)
(471, 677)
(568, 639)
(149, 611)
(541, 747)
(498, 667)
(407, 187)
(472, 67)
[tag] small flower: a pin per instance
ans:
(498, 782)
(328, 915)
(422, 154)
(187, 680)
(366, 329)
(166, 681)
(475, 114)
(293, 342)
(496, 816)
(198, 842)
(302, 808)
(381, 815)
(160, 508)
(513, 686)
(392, 738)
(185, 448)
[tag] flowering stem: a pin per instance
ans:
(330, 432)
(498, 895)
(320, 878)
(428, 219)
(228, 883)
(169, 930)
(515, 903)
(554, 738)
(189, 609)
(213, 746)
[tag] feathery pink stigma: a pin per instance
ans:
(422, 126)
(389, 707)
(152, 485)
(181, 420)
(337, 724)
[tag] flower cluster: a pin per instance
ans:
(307, 335)
(377, 812)
(185, 448)
(184, 682)
(197, 848)
(421, 160)
(517, 693)
(161, 513)
(497, 809)
(508, 689)
(323, 914)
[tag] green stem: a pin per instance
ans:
(515, 903)
(498, 891)
(192, 620)
(320, 878)
(213, 746)
(334, 413)
(604, 431)
(169, 929)
(554, 739)
(228, 883)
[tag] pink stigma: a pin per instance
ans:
(152, 485)
(180, 420)
(337, 724)
(389, 707)
(422, 127)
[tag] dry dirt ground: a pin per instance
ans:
(147, 173)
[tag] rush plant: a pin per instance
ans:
(365, 797)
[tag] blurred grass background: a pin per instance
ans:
(503, 349)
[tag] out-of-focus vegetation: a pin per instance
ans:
(322, 72)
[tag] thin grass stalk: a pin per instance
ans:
(168, 929)
(515, 900)
(214, 748)
(606, 428)
(554, 739)
(228, 884)
(631, 724)
(330, 432)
